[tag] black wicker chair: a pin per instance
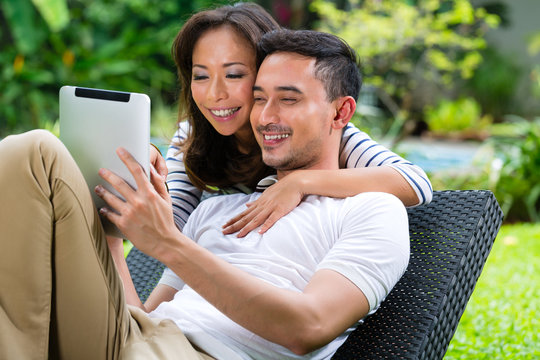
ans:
(450, 241)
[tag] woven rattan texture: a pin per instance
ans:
(145, 272)
(450, 240)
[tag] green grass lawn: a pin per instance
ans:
(502, 318)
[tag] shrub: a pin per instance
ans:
(118, 45)
(462, 118)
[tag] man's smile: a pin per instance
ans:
(275, 137)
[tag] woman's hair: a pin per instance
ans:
(210, 158)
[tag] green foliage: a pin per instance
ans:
(494, 83)
(534, 49)
(459, 117)
(121, 45)
(509, 165)
(518, 188)
(501, 319)
(402, 41)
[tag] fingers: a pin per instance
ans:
(235, 219)
(158, 162)
(270, 221)
(134, 168)
(123, 188)
(252, 225)
(110, 215)
(236, 223)
(247, 221)
(158, 182)
(161, 167)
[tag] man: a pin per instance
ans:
(298, 289)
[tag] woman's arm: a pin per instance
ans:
(366, 166)
(359, 151)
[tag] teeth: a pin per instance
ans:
(223, 113)
(276, 137)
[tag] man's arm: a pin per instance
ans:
(302, 322)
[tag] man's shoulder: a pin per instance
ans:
(366, 198)
(378, 197)
(375, 202)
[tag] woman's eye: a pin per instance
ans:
(199, 77)
(235, 76)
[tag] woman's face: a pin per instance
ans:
(222, 80)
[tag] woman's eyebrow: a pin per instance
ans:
(234, 63)
(224, 65)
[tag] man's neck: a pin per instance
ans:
(282, 173)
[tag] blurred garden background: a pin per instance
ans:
(452, 85)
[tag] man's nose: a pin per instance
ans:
(269, 114)
(217, 90)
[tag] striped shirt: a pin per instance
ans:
(357, 150)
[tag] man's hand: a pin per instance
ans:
(145, 216)
(274, 203)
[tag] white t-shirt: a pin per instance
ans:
(365, 238)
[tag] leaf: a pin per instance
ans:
(534, 44)
(26, 31)
(54, 12)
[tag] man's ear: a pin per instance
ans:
(345, 108)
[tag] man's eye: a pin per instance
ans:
(289, 100)
(258, 99)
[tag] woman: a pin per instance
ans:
(216, 150)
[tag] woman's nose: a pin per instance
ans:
(217, 90)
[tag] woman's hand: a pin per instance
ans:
(158, 162)
(145, 215)
(274, 203)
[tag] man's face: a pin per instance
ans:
(291, 115)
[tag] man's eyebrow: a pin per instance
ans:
(289, 88)
(281, 88)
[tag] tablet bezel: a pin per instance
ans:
(94, 123)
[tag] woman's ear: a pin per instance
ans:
(345, 108)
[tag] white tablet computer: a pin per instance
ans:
(94, 123)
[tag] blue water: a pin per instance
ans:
(439, 155)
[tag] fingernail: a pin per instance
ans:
(98, 189)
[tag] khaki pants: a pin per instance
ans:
(60, 295)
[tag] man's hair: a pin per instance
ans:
(336, 65)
